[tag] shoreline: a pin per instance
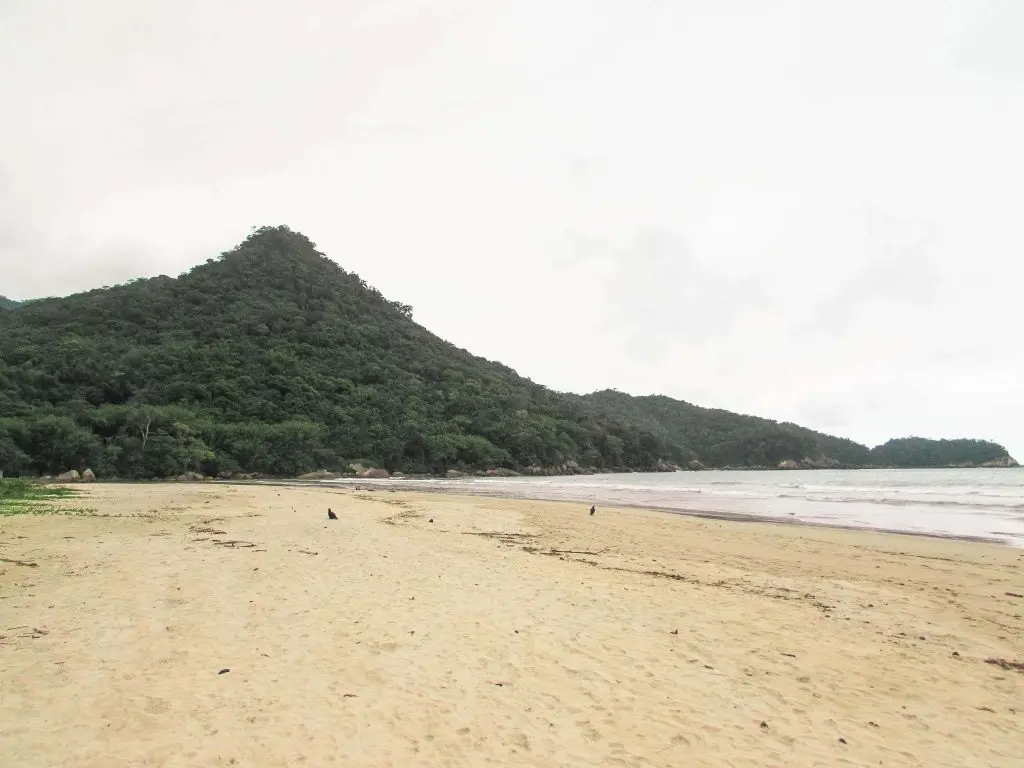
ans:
(704, 514)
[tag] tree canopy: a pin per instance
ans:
(273, 359)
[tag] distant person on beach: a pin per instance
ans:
(593, 510)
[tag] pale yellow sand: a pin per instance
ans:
(384, 639)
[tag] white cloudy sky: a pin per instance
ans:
(806, 210)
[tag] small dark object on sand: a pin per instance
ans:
(431, 519)
(1013, 594)
(674, 632)
(593, 510)
(223, 671)
(956, 653)
(842, 740)
(331, 515)
(764, 724)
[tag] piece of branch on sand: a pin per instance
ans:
(1007, 665)
(574, 552)
(25, 563)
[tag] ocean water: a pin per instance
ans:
(969, 503)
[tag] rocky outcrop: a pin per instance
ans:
(454, 474)
(320, 474)
(788, 464)
(822, 462)
(88, 476)
(696, 466)
(501, 472)
(374, 474)
(71, 476)
(1006, 462)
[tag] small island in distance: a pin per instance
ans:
(273, 360)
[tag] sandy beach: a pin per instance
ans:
(216, 625)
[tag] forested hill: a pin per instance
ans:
(721, 438)
(272, 359)
(6, 303)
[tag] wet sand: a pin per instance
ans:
(505, 632)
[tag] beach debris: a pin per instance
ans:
(791, 655)
(233, 544)
(842, 740)
(25, 563)
(307, 552)
(1007, 665)
(1013, 594)
(331, 515)
(33, 632)
(575, 552)
(764, 724)
(956, 654)
(502, 536)
(872, 723)
(674, 632)
(431, 520)
(499, 683)
(224, 671)
(350, 696)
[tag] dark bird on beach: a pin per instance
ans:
(331, 515)
(593, 510)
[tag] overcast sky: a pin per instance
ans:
(806, 210)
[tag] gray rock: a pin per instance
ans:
(320, 474)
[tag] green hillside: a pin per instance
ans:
(720, 438)
(272, 359)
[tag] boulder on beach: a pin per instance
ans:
(88, 476)
(71, 476)
(696, 466)
(501, 472)
(788, 464)
(374, 474)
